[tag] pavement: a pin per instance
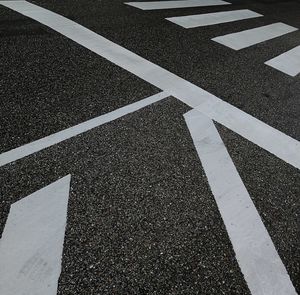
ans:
(142, 214)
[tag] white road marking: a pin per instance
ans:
(254, 36)
(224, 113)
(258, 259)
(32, 242)
(207, 19)
(272, 140)
(152, 5)
(288, 62)
(40, 144)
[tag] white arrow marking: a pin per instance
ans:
(32, 242)
(255, 252)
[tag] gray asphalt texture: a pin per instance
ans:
(239, 77)
(141, 218)
(49, 83)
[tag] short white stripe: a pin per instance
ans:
(32, 242)
(254, 36)
(152, 5)
(274, 141)
(40, 144)
(288, 62)
(201, 20)
(258, 259)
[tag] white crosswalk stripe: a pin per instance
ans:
(254, 36)
(154, 5)
(288, 62)
(207, 19)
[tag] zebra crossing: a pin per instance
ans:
(30, 265)
(287, 62)
(207, 19)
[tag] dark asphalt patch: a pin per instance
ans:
(49, 83)
(274, 187)
(239, 77)
(142, 219)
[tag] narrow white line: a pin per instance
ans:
(288, 62)
(152, 5)
(258, 259)
(272, 140)
(68, 133)
(207, 19)
(251, 37)
(32, 243)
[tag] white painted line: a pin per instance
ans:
(258, 259)
(40, 144)
(153, 5)
(272, 140)
(117, 54)
(32, 242)
(208, 19)
(288, 62)
(254, 36)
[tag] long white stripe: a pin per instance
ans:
(251, 37)
(152, 5)
(32, 242)
(257, 257)
(288, 62)
(194, 96)
(207, 19)
(60, 136)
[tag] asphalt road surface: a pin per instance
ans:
(194, 190)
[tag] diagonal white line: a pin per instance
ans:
(40, 144)
(258, 259)
(276, 142)
(32, 242)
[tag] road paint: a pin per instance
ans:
(208, 19)
(288, 62)
(272, 140)
(32, 242)
(254, 36)
(43, 143)
(258, 259)
(153, 5)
